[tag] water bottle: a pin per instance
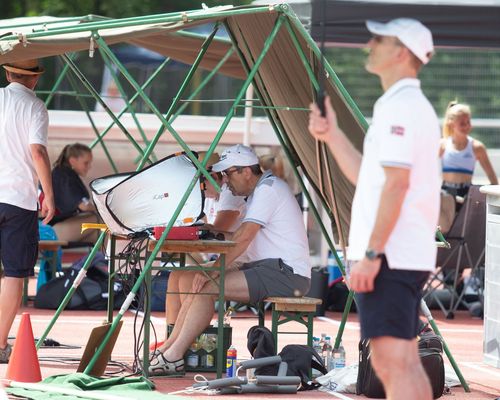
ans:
(327, 353)
(231, 362)
(193, 359)
(338, 356)
(317, 345)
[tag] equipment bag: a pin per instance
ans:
(430, 349)
(91, 294)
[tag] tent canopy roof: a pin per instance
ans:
(282, 79)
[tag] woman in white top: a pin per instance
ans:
(459, 151)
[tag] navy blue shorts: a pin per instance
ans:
(18, 240)
(392, 308)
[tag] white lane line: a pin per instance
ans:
(348, 325)
(460, 330)
(481, 369)
(151, 318)
(339, 395)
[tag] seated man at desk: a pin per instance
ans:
(272, 235)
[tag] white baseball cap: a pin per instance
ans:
(236, 156)
(412, 33)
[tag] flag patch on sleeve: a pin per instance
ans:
(397, 130)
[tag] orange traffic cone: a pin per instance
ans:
(23, 364)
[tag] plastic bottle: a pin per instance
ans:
(327, 353)
(209, 345)
(316, 346)
(338, 356)
(231, 362)
(193, 359)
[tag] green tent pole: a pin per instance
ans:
(132, 99)
(155, 110)
(56, 85)
(306, 193)
(89, 87)
(155, 251)
(84, 106)
(185, 16)
(128, 103)
(430, 318)
(73, 288)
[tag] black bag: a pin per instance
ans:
(430, 349)
(300, 360)
(336, 297)
(91, 294)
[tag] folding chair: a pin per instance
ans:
(467, 239)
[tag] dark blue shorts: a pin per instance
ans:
(392, 309)
(18, 240)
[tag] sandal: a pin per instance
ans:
(160, 366)
(5, 354)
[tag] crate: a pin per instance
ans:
(202, 356)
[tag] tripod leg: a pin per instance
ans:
(428, 315)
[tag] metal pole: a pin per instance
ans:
(155, 251)
(132, 99)
(128, 103)
(89, 87)
(84, 106)
(155, 110)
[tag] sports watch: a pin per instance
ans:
(372, 255)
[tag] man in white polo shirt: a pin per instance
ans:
(24, 161)
(274, 239)
(395, 207)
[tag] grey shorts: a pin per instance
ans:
(272, 277)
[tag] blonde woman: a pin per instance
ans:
(460, 152)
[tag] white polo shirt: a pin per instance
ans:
(404, 133)
(226, 202)
(23, 121)
(273, 206)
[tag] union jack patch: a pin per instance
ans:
(397, 130)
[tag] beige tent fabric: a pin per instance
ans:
(282, 79)
(162, 38)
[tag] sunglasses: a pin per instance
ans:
(228, 172)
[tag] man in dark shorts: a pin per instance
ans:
(24, 160)
(273, 238)
(396, 204)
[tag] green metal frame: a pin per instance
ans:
(95, 25)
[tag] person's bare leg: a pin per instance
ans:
(398, 366)
(201, 311)
(184, 284)
(10, 301)
(172, 298)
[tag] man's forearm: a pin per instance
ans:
(347, 156)
(42, 166)
(391, 201)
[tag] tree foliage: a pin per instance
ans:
(108, 8)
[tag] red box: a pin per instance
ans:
(177, 233)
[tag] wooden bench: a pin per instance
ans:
(287, 309)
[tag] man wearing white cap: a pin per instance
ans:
(395, 207)
(274, 239)
(24, 161)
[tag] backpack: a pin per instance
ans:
(91, 294)
(300, 358)
(430, 350)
